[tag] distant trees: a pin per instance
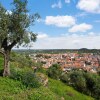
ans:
(14, 29)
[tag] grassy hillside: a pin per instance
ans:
(11, 89)
(56, 90)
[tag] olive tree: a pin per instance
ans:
(15, 29)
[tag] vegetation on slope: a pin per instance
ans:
(56, 90)
(13, 88)
(82, 81)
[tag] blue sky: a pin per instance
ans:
(65, 24)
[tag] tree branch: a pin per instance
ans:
(13, 43)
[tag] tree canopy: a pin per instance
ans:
(14, 25)
(15, 28)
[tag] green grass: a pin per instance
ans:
(9, 87)
(65, 91)
(15, 90)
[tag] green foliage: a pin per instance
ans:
(14, 25)
(56, 90)
(16, 74)
(78, 81)
(86, 83)
(23, 84)
(9, 87)
(67, 92)
(14, 29)
(39, 67)
(54, 71)
(93, 85)
(21, 60)
(43, 94)
(27, 77)
(65, 78)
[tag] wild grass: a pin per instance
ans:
(67, 92)
(14, 90)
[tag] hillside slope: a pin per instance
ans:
(56, 90)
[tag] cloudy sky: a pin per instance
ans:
(65, 24)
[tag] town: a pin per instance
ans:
(84, 61)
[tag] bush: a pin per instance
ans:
(16, 74)
(93, 84)
(54, 71)
(65, 78)
(21, 59)
(28, 78)
(78, 81)
(87, 83)
(39, 67)
(74, 79)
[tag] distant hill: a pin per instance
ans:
(83, 49)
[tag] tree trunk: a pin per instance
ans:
(6, 63)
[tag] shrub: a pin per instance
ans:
(29, 79)
(65, 78)
(85, 82)
(22, 60)
(78, 81)
(54, 71)
(39, 67)
(93, 84)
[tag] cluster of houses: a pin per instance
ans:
(68, 61)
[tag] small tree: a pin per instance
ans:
(78, 81)
(14, 29)
(54, 71)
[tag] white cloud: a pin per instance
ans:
(80, 28)
(92, 6)
(57, 5)
(60, 21)
(67, 1)
(42, 36)
(69, 42)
